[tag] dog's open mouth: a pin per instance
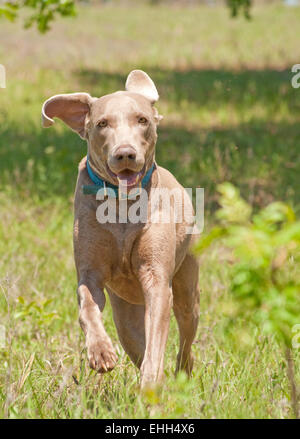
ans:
(127, 177)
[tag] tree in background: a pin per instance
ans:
(42, 12)
(237, 5)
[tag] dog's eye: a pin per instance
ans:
(102, 123)
(142, 120)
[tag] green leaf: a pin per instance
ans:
(264, 279)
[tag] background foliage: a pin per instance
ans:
(43, 12)
(230, 114)
(264, 274)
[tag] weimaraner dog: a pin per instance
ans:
(145, 266)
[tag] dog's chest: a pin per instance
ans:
(122, 279)
(123, 241)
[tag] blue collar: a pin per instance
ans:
(102, 184)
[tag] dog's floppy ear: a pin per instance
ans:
(71, 108)
(139, 82)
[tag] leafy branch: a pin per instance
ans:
(264, 276)
(41, 12)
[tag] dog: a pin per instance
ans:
(146, 267)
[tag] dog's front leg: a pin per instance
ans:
(158, 304)
(100, 352)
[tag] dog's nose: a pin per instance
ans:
(125, 153)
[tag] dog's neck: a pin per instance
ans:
(109, 188)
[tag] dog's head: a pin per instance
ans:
(120, 128)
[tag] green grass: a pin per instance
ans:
(230, 113)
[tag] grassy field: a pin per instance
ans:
(230, 114)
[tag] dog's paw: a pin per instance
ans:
(101, 355)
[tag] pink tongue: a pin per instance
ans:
(127, 180)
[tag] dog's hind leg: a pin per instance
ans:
(130, 323)
(186, 310)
